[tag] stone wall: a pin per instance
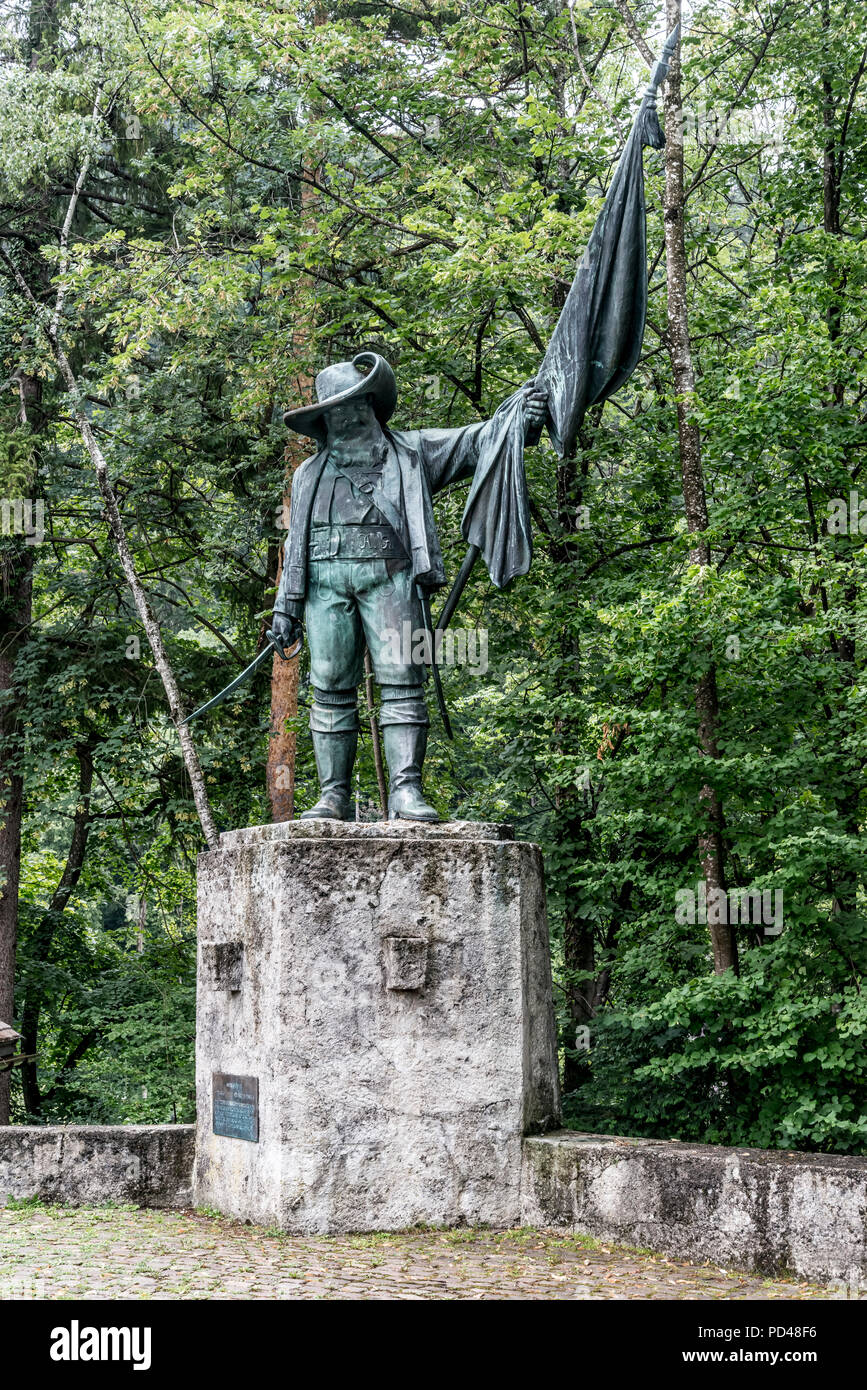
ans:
(754, 1209)
(93, 1165)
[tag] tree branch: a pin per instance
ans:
(118, 532)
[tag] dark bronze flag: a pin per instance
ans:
(598, 337)
(592, 352)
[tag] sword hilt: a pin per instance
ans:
(293, 650)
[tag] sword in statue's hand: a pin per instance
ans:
(274, 645)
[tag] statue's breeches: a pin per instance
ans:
(351, 603)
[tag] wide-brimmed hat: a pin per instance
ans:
(340, 383)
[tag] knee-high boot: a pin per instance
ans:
(335, 758)
(405, 746)
(404, 722)
(334, 729)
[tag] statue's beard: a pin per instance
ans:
(348, 453)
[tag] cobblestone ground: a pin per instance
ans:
(121, 1252)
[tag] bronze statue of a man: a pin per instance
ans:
(361, 552)
(362, 556)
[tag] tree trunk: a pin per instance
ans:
(280, 767)
(834, 151)
(710, 839)
(579, 958)
(142, 603)
(15, 617)
(17, 574)
(375, 737)
(43, 938)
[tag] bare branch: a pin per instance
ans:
(634, 32)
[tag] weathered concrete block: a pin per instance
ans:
(223, 965)
(396, 1010)
(93, 1165)
(405, 962)
(754, 1209)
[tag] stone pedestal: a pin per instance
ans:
(374, 1001)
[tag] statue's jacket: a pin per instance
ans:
(419, 464)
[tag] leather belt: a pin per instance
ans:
(359, 541)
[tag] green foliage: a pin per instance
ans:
(270, 193)
(769, 1059)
